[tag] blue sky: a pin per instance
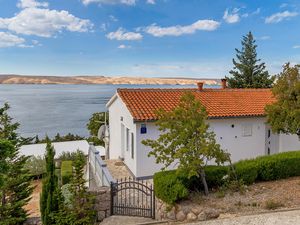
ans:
(146, 38)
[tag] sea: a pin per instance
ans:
(51, 109)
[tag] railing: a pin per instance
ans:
(99, 172)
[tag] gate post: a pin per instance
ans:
(111, 198)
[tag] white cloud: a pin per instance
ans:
(10, 40)
(124, 46)
(296, 46)
(110, 2)
(283, 5)
(278, 17)
(264, 38)
(152, 2)
(232, 17)
(44, 22)
(113, 18)
(32, 4)
(157, 31)
(123, 35)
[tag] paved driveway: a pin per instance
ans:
(276, 218)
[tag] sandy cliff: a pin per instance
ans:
(18, 79)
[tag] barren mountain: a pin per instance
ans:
(22, 79)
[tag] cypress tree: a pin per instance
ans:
(248, 71)
(15, 180)
(49, 200)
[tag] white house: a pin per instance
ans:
(237, 116)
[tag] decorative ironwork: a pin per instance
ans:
(130, 197)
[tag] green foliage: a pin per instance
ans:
(67, 156)
(50, 196)
(248, 72)
(247, 171)
(95, 122)
(77, 209)
(172, 186)
(284, 114)
(58, 138)
(36, 166)
(169, 187)
(15, 180)
(185, 139)
(66, 171)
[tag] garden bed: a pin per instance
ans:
(259, 197)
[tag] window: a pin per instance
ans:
(247, 130)
(269, 133)
(127, 139)
(143, 129)
(132, 145)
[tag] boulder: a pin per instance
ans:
(191, 217)
(180, 216)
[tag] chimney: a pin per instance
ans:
(224, 83)
(200, 86)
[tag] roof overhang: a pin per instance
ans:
(210, 118)
(111, 101)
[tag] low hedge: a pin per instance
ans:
(66, 171)
(171, 186)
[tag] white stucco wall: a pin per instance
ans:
(230, 138)
(118, 110)
(229, 134)
(289, 143)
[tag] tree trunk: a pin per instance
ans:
(203, 179)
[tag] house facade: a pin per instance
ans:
(236, 116)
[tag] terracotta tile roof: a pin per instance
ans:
(219, 103)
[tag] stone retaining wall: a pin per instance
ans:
(183, 212)
(102, 202)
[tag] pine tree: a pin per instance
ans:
(78, 209)
(248, 71)
(15, 188)
(50, 196)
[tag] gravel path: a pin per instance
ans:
(276, 218)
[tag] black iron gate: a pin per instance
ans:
(131, 197)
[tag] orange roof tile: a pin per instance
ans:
(142, 103)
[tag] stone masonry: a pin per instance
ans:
(102, 202)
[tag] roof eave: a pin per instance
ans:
(210, 117)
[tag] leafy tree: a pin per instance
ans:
(95, 122)
(50, 196)
(185, 139)
(15, 181)
(284, 114)
(248, 71)
(36, 166)
(78, 208)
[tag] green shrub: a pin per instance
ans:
(246, 171)
(66, 171)
(169, 187)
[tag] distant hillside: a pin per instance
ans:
(20, 79)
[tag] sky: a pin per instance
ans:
(144, 38)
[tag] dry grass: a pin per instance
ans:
(255, 198)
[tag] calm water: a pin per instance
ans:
(48, 109)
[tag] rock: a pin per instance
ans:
(202, 216)
(180, 216)
(171, 215)
(191, 217)
(196, 211)
(212, 214)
